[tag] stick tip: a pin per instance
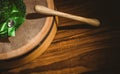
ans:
(97, 23)
(36, 7)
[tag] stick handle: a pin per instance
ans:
(47, 11)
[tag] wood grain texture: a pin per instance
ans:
(79, 49)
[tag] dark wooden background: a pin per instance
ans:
(78, 48)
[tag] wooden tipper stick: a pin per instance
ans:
(44, 10)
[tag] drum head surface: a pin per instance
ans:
(30, 33)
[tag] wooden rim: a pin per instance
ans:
(34, 42)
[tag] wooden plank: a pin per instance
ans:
(79, 49)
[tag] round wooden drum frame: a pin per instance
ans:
(36, 46)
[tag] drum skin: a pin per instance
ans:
(32, 38)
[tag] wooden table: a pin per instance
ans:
(78, 48)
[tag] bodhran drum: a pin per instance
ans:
(32, 37)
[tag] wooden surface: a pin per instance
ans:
(79, 49)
